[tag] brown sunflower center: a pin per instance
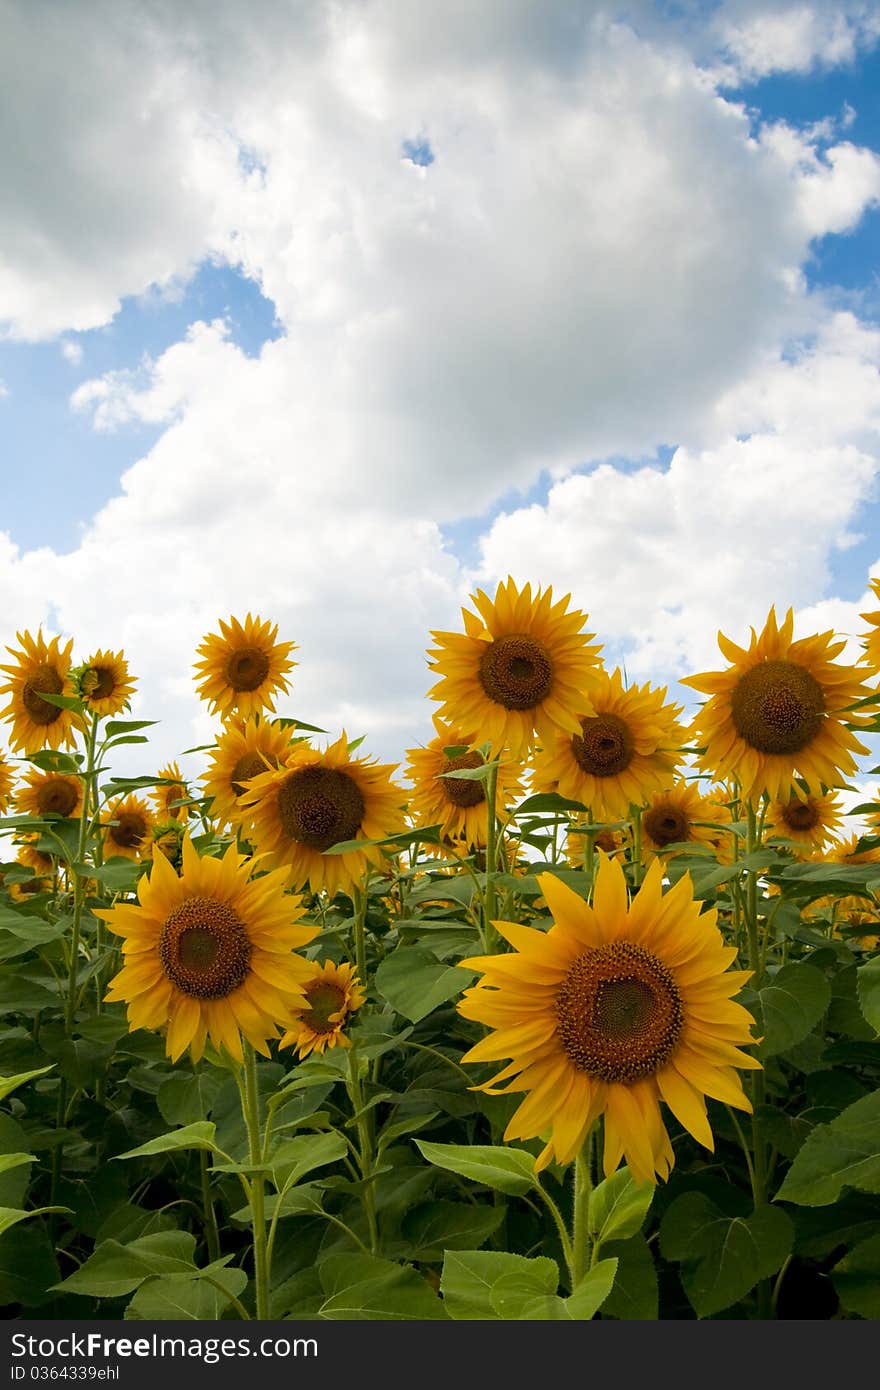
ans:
(98, 682)
(516, 671)
(777, 707)
(619, 1013)
(204, 948)
(57, 797)
(320, 807)
(324, 999)
(606, 841)
(801, 815)
(463, 791)
(43, 679)
(666, 825)
(130, 830)
(248, 765)
(604, 746)
(31, 885)
(247, 668)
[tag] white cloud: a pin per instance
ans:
(763, 38)
(71, 351)
(4, 390)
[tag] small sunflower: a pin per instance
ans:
(7, 782)
(610, 841)
(456, 804)
(847, 851)
(243, 667)
(871, 642)
(246, 748)
(315, 800)
(808, 822)
(39, 670)
(49, 794)
(166, 838)
(174, 789)
(332, 993)
(32, 857)
(23, 889)
(778, 711)
(521, 666)
(131, 835)
(617, 1007)
(624, 752)
(210, 953)
(104, 683)
(678, 816)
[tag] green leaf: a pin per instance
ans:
(14, 1180)
(843, 1153)
(857, 1279)
(548, 801)
(8, 1161)
(195, 1136)
(115, 1269)
(363, 1287)
(869, 991)
(635, 1296)
(723, 1257)
(439, 1226)
(414, 982)
(295, 1157)
(586, 1300)
(618, 1206)
(184, 1100)
(504, 1169)
(52, 760)
(791, 1006)
(470, 1276)
(195, 1297)
(27, 1266)
(62, 701)
(8, 1084)
(127, 726)
(10, 1216)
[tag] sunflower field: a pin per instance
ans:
(575, 1015)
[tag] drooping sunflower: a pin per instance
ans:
(245, 749)
(779, 711)
(522, 666)
(456, 804)
(7, 783)
(174, 789)
(624, 752)
(49, 794)
(166, 838)
(130, 836)
(610, 841)
(39, 669)
(23, 889)
(617, 1007)
(871, 642)
(332, 993)
(243, 667)
(315, 800)
(809, 822)
(104, 683)
(681, 815)
(210, 953)
(29, 854)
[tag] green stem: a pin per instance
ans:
(365, 1146)
(212, 1235)
(489, 932)
(251, 1116)
(554, 1211)
(80, 884)
(759, 1147)
(637, 845)
(581, 1245)
(359, 902)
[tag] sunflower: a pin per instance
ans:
(39, 670)
(332, 993)
(456, 804)
(847, 851)
(871, 642)
(243, 750)
(617, 1007)
(316, 800)
(243, 667)
(131, 834)
(522, 665)
(210, 953)
(23, 889)
(33, 858)
(808, 822)
(174, 789)
(624, 751)
(166, 838)
(677, 816)
(104, 683)
(7, 782)
(49, 794)
(779, 710)
(609, 840)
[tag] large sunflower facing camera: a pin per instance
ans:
(617, 1007)
(39, 669)
(521, 667)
